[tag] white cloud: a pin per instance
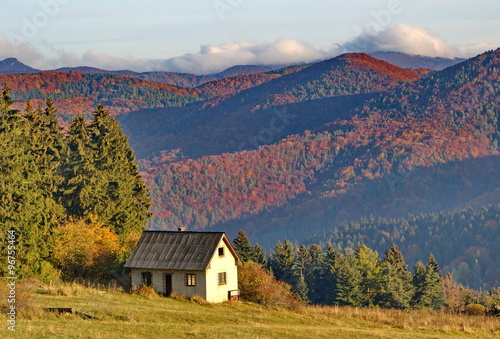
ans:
(212, 58)
(411, 40)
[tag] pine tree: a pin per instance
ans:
(259, 255)
(47, 144)
(243, 247)
(369, 266)
(428, 285)
(301, 289)
(315, 275)
(435, 284)
(26, 191)
(103, 176)
(328, 293)
(348, 280)
(396, 289)
(78, 170)
(421, 297)
(282, 262)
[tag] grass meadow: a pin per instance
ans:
(117, 314)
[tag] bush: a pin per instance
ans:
(475, 309)
(145, 291)
(257, 285)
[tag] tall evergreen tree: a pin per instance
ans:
(435, 283)
(369, 267)
(259, 255)
(396, 288)
(282, 262)
(26, 191)
(243, 247)
(78, 170)
(328, 293)
(348, 291)
(103, 176)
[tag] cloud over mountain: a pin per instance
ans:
(411, 40)
(212, 58)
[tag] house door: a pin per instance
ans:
(167, 280)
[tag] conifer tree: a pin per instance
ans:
(396, 289)
(315, 275)
(26, 200)
(105, 179)
(348, 280)
(259, 255)
(369, 267)
(301, 289)
(243, 247)
(428, 286)
(328, 292)
(78, 169)
(282, 262)
(435, 281)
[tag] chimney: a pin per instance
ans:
(181, 229)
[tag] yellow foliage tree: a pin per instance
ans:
(86, 248)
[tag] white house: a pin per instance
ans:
(188, 263)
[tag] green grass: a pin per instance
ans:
(123, 315)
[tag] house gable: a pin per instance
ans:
(195, 263)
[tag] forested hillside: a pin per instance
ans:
(390, 154)
(299, 99)
(76, 93)
(346, 147)
(72, 203)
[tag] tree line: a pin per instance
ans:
(75, 198)
(358, 278)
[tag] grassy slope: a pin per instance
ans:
(133, 316)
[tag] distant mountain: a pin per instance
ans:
(77, 93)
(240, 70)
(358, 136)
(416, 61)
(14, 66)
(233, 122)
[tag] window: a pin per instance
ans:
(147, 278)
(190, 279)
(222, 278)
(221, 251)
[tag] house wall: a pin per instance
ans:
(226, 263)
(178, 281)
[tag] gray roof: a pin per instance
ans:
(167, 250)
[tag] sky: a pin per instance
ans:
(208, 36)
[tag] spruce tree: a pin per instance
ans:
(348, 291)
(327, 294)
(301, 289)
(259, 255)
(369, 266)
(26, 189)
(282, 262)
(103, 176)
(78, 170)
(421, 297)
(243, 247)
(435, 283)
(396, 288)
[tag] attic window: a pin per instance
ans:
(147, 278)
(221, 251)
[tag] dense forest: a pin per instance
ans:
(355, 277)
(74, 202)
(316, 153)
(76, 93)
